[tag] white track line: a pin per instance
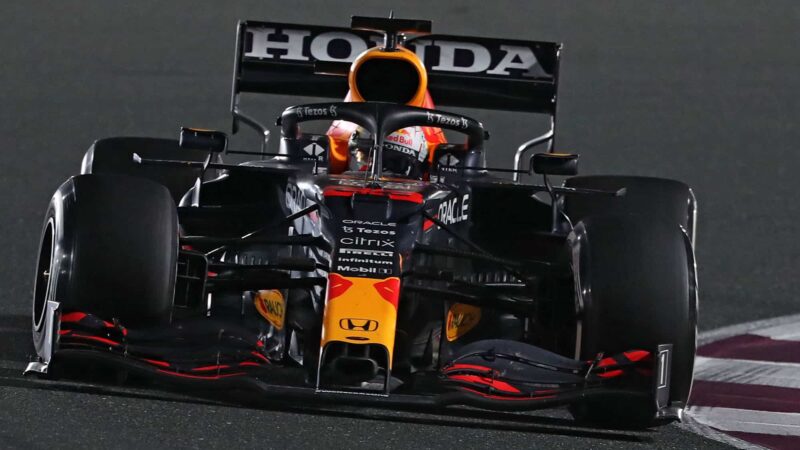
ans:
(710, 336)
(748, 421)
(785, 332)
(690, 423)
(743, 371)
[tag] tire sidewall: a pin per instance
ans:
(61, 258)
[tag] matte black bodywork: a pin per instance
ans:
(460, 238)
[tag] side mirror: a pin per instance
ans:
(555, 163)
(200, 139)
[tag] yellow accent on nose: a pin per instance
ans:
(360, 315)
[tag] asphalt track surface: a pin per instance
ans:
(707, 93)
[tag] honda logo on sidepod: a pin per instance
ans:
(358, 324)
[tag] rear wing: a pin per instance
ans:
(289, 59)
(486, 73)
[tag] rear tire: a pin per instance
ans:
(670, 200)
(114, 156)
(637, 278)
(109, 247)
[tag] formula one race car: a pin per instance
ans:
(380, 261)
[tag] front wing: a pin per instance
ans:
(489, 374)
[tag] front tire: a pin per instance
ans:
(637, 282)
(109, 247)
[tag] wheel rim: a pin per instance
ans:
(43, 275)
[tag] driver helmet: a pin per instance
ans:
(404, 153)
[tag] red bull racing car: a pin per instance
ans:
(381, 261)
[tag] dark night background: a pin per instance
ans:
(704, 92)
